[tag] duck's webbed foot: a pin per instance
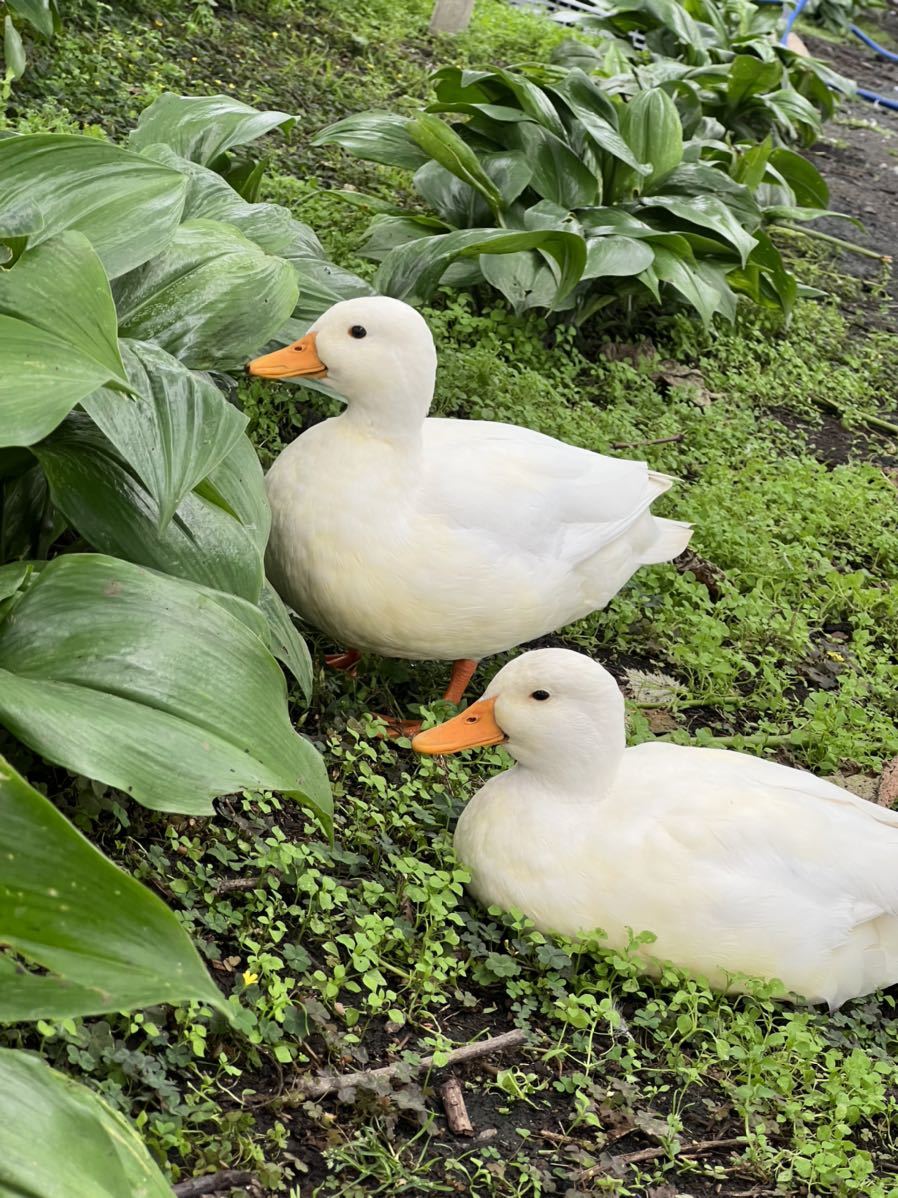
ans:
(347, 661)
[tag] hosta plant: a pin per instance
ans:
(719, 60)
(568, 198)
(138, 637)
(42, 17)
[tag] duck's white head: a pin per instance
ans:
(376, 352)
(558, 713)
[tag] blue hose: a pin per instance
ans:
(870, 97)
(880, 50)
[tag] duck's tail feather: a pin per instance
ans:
(671, 538)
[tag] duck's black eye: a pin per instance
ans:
(358, 331)
(540, 696)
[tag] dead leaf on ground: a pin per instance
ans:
(710, 576)
(657, 689)
(887, 794)
(626, 351)
(659, 720)
(861, 785)
(687, 379)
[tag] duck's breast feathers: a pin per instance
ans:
(520, 486)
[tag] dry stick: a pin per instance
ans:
(454, 1106)
(654, 441)
(651, 1154)
(210, 1182)
(319, 1086)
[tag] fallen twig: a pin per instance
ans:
(653, 441)
(227, 885)
(318, 1087)
(209, 1183)
(454, 1106)
(699, 1148)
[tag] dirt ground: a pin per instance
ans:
(859, 153)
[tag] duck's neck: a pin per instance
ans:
(392, 408)
(582, 770)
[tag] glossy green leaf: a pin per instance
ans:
(524, 278)
(211, 299)
(709, 214)
(57, 328)
(440, 141)
(750, 166)
(609, 257)
(13, 49)
(118, 673)
(680, 274)
(273, 228)
(126, 206)
(558, 174)
(650, 125)
(38, 13)
(377, 137)
(595, 115)
(205, 541)
(58, 1139)
(172, 429)
(284, 640)
(413, 271)
(202, 128)
(808, 185)
(749, 76)
(102, 940)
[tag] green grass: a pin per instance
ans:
(348, 956)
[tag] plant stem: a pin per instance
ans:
(839, 241)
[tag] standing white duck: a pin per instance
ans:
(441, 539)
(737, 864)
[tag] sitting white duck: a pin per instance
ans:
(441, 539)
(738, 865)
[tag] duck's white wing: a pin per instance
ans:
(545, 496)
(784, 858)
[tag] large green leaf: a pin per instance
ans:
(558, 174)
(273, 228)
(650, 125)
(116, 514)
(413, 271)
(443, 144)
(710, 214)
(105, 941)
(377, 137)
(525, 278)
(57, 328)
(13, 49)
(173, 428)
(211, 299)
(611, 257)
(202, 128)
(60, 1140)
(682, 275)
(284, 641)
(749, 76)
(127, 206)
(38, 13)
(150, 685)
(807, 184)
(595, 113)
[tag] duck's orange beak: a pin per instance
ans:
(475, 726)
(296, 361)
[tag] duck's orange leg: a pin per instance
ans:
(462, 673)
(346, 661)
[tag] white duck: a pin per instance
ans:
(441, 539)
(737, 864)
